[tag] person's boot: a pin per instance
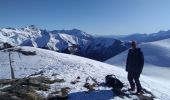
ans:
(139, 91)
(131, 89)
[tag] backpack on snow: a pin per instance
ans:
(112, 81)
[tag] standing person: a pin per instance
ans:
(134, 66)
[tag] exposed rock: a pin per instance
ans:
(19, 50)
(5, 46)
(90, 87)
(7, 81)
(7, 96)
(28, 53)
(59, 95)
(76, 80)
(25, 88)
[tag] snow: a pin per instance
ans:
(2, 38)
(157, 57)
(96, 95)
(61, 40)
(17, 36)
(68, 38)
(69, 67)
(56, 40)
(156, 67)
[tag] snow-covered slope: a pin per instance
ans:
(157, 58)
(68, 67)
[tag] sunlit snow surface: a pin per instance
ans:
(156, 68)
(68, 67)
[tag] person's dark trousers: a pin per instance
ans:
(134, 77)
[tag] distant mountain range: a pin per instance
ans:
(100, 48)
(144, 37)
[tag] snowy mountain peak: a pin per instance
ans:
(75, 32)
(31, 27)
(62, 40)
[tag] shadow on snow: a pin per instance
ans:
(93, 95)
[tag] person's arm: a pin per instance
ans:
(141, 60)
(127, 61)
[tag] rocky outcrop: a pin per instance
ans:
(25, 88)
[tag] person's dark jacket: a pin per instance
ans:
(135, 61)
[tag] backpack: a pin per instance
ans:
(112, 81)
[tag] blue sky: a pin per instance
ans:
(101, 17)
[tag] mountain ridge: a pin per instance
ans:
(143, 37)
(62, 40)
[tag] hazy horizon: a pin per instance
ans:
(86, 32)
